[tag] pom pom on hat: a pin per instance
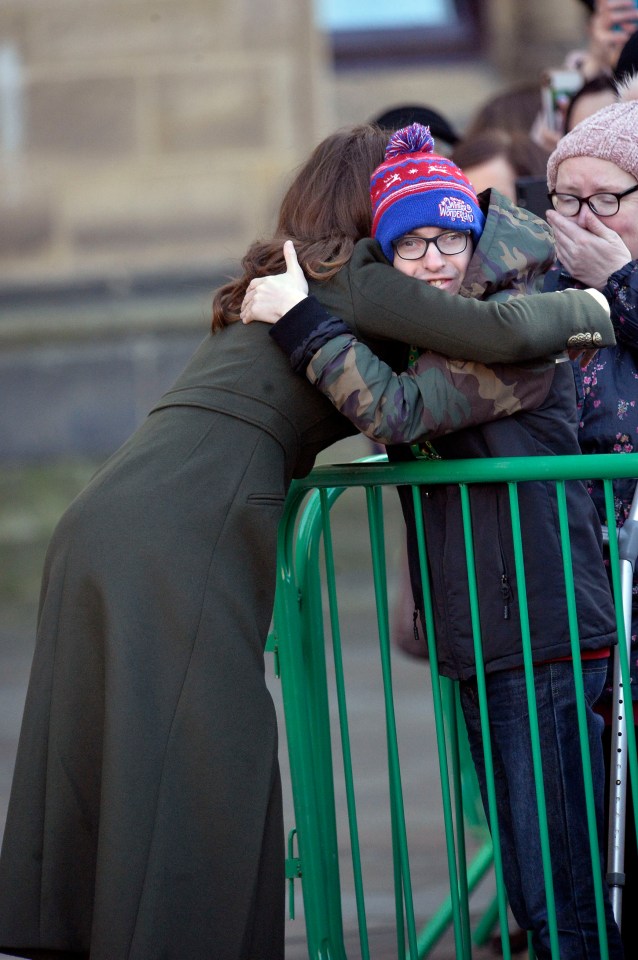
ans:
(414, 187)
(609, 134)
(413, 139)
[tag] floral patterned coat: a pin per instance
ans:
(608, 403)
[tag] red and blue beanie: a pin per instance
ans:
(415, 188)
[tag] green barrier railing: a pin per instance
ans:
(306, 588)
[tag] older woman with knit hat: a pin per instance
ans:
(593, 179)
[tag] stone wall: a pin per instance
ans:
(147, 134)
(526, 36)
(153, 136)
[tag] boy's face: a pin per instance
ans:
(443, 270)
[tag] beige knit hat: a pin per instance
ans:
(609, 134)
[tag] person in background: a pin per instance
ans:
(497, 158)
(519, 108)
(594, 94)
(428, 221)
(395, 118)
(601, 90)
(593, 178)
(611, 24)
(513, 109)
(627, 63)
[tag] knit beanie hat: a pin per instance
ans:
(414, 187)
(609, 134)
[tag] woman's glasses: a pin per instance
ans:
(602, 204)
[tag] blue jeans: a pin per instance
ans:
(564, 797)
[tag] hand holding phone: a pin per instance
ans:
(622, 14)
(557, 88)
(610, 26)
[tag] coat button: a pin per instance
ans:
(581, 340)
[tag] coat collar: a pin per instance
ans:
(515, 251)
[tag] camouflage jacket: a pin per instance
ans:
(437, 395)
(514, 252)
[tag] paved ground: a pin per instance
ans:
(421, 785)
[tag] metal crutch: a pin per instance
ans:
(623, 707)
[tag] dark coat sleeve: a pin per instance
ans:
(379, 302)
(437, 395)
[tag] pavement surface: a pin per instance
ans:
(414, 717)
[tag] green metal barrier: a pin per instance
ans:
(315, 688)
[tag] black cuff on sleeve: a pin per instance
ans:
(304, 330)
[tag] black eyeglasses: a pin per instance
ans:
(602, 204)
(413, 248)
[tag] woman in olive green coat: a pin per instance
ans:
(145, 816)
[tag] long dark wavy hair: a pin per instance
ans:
(325, 211)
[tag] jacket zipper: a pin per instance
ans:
(506, 592)
(506, 587)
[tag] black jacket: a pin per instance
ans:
(549, 430)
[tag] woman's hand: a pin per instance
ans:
(589, 251)
(268, 298)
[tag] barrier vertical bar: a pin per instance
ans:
(533, 721)
(344, 728)
(582, 718)
(324, 930)
(485, 724)
(458, 804)
(439, 726)
(375, 518)
(623, 756)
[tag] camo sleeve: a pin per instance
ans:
(435, 397)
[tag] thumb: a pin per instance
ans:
(290, 256)
(293, 269)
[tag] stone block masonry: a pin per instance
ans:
(140, 136)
